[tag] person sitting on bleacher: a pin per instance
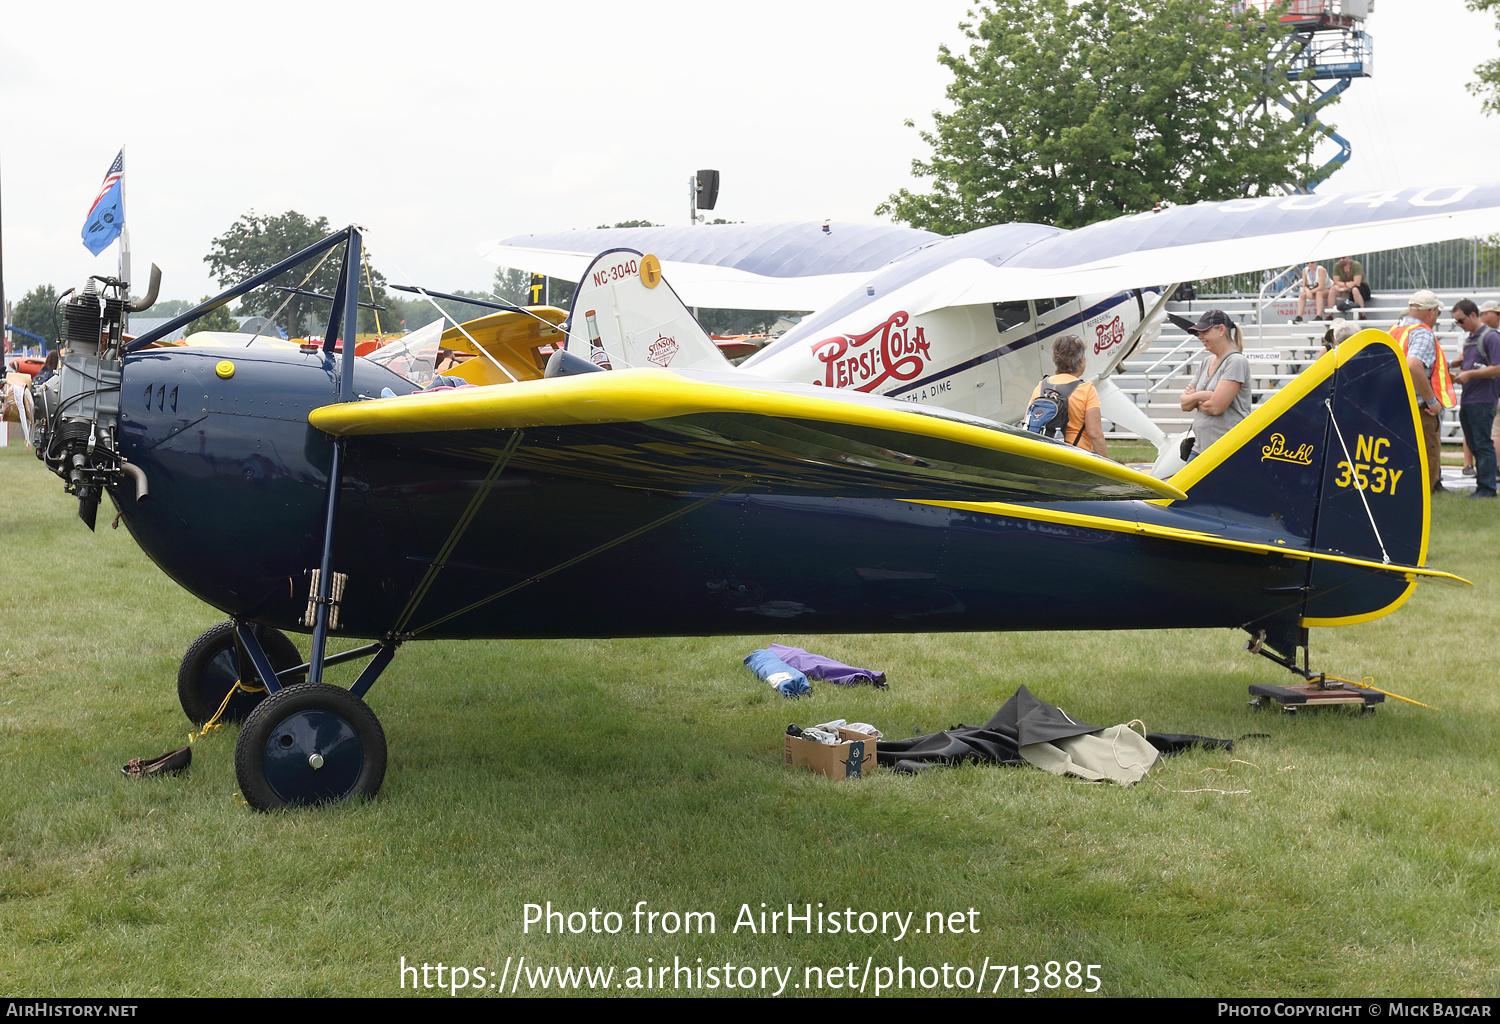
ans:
(1315, 288)
(1350, 288)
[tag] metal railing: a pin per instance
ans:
(1262, 301)
(1152, 388)
(1457, 264)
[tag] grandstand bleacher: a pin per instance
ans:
(1277, 348)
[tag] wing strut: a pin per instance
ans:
(538, 577)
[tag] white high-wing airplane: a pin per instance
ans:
(966, 322)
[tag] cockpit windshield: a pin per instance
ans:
(413, 356)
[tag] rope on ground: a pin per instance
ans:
(1210, 789)
(1368, 683)
(1115, 748)
(214, 723)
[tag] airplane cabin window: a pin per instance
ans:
(1048, 305)
(1011, 314)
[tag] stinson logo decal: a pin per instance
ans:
(662, 350)
(901, 355)
(1278, 450)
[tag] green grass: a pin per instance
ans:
(1337, 855)
(1132, 451)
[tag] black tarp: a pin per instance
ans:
(1021, 721)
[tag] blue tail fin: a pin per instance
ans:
(1334, 464)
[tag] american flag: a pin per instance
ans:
(112, 178)
(107, 215)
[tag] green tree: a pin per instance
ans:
(512, 286)
(169, 308)
(1487, 263)
(217, 319)
(419, 312)
(1488, 73)
(255, 243)
(560, 292)
(515, 286)
(740, 321)
(1068, 113)
(34, 313)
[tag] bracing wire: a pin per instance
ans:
(1328, 404)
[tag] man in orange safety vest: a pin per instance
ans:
(1429, 373)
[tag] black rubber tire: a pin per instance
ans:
(272, 754)
(210, 668)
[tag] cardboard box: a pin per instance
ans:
(850, 759)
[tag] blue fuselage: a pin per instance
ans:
(237, 483)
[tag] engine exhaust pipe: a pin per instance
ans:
(139, 476)
(149, 299)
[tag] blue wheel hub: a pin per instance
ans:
(313, 756)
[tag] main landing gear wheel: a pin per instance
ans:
(211, 667)
(308, 744)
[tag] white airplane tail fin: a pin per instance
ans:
(625, 315)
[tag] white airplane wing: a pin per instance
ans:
(1187, 243)
(802, 266)
(729, 266)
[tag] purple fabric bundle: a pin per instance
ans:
(816, 666)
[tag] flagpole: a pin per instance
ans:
(124, 246)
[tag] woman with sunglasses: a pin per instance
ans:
(1218, 396)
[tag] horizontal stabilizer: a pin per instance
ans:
(510, 345)
(691, 431)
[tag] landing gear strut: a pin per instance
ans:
(1319, 690)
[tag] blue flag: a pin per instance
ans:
(107, 215)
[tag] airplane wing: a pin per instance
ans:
(798, 266)
(729, 266)
(684, 431)
(1187, 243)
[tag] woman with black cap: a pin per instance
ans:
(1218, 396)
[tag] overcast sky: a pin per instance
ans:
(438, 125)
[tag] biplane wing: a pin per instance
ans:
(684, 431)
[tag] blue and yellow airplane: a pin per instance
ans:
(276, 484)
